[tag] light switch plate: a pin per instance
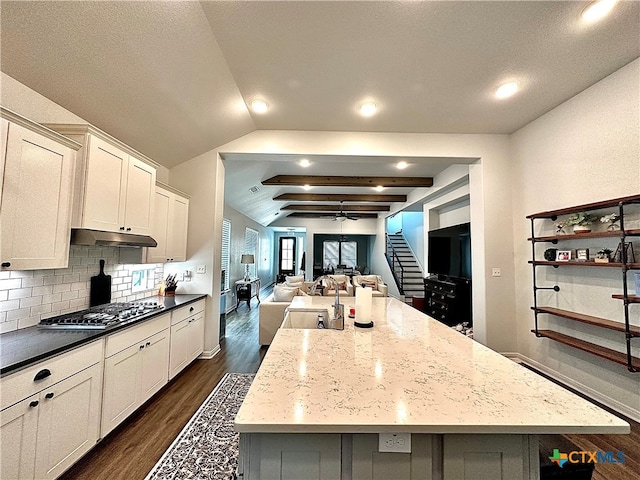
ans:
(496, 272)
(201, 269)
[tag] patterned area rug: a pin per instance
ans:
(207, 447)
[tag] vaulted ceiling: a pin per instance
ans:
(173, 78)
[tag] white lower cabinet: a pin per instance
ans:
(135, 368)
(187, 336)
(45, 433)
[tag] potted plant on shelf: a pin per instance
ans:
(611, 219)
(603, 255)
(581, 222)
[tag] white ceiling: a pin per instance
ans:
(172, 78)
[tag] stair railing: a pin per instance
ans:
(397, 270)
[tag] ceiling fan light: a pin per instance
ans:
(597, 10)
(259, 106)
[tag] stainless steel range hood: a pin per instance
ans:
(84, 236)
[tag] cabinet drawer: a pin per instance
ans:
(182, 313)
(21, 384)
(121, 340)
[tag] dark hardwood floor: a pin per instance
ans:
(132, 449)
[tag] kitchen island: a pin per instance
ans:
(322, 397)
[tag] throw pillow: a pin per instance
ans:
(342, 285)
(371, 285)
(294, 279)
(294, 284)
(283, 293)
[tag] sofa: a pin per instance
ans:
(272, 309)
(345, 286)
(375, 282)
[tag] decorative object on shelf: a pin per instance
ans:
(628, 250)
(560, 227)
(603, 255)
(247, 259)
(550, 254)
(563, 255)
(582, 254)
(580, 222)
(611, 219)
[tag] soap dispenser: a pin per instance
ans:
(363, 307)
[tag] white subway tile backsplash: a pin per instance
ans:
(45, 290)
(19, 293)
(29, 296)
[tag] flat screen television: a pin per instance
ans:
(450, 251)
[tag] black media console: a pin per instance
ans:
(448, 299)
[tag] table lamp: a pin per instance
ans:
(247, 259)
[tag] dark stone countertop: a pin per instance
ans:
(24, 347)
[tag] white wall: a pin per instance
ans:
(585, 150)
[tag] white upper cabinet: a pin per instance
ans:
(115, 184)
(169, 229)
(37, 169)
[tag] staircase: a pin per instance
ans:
(406, 270)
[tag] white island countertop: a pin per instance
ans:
(409, 373)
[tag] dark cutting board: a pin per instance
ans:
(100, 288)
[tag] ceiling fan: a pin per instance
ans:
(341, 216)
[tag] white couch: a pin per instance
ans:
(374, 281)
(271, 312)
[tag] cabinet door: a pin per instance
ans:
(178, 358)
(105, 186)
(155, 362)
(159, 229)
(36, 204)
(121, 387)
(140, 196)
(196, 336)
(491, 457)
(18, 427)
(69, 421)
(177, 231)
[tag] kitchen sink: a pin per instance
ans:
(305, 319)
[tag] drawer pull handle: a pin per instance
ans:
(122, 228)
(42, 374)
(141, 347)
(147, 344)
(6, 264)
(34, 403)
(191, 309)
(49, 395)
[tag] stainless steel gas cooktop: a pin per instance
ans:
(101, 316)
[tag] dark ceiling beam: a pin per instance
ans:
(329, 216)
(339, 197)
(335, 181)
(336, 208)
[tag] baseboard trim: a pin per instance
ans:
(209, 354)
(577, 386)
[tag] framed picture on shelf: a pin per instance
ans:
(628, 249)
(563, 255)
(582, 254)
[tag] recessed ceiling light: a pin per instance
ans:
(507, 89)
(306, 187)
(597, 10)
(259, 106)
(379, 188)
(402, 165)
(304, 163)
(367, 109)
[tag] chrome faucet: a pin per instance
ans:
(337, 322)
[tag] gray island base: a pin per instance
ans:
(322, 397)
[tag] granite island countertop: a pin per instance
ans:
(409, 373)
(24, 347)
